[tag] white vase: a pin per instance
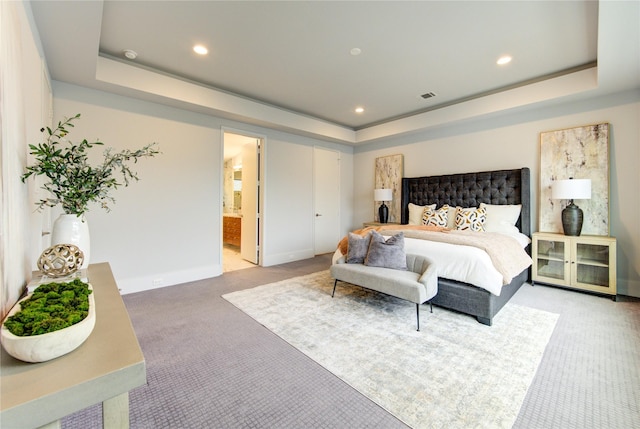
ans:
(71, 229)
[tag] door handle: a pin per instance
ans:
(318, 215)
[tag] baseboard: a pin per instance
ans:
(283, 258)
(628, 287)
(171, 278)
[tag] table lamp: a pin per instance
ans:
(383, 195)
(571, 189)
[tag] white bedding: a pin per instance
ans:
(466, 264)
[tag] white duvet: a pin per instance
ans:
(466, 264)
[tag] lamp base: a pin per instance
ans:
(572, 220)
(383, 213)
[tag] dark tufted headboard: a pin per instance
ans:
(471, 189)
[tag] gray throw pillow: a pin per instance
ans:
(386, 254)
(358, 247)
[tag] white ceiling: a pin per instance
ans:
(287, 65)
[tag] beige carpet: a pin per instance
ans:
(454, 373)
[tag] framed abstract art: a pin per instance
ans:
(388, 175)
(575, 153)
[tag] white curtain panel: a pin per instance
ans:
(14, 228)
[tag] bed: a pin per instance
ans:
(501, 187)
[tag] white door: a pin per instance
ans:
(250, 193)
(326, 189)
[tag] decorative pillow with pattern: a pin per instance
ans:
(433, 217)
(387, 253)
(357, 248)
(470, 219)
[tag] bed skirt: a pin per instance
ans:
(475, 301)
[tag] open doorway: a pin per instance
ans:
(241, 201)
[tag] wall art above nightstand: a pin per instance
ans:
(575, 153)
(388, 175)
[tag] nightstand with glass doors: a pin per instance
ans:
(585, 262)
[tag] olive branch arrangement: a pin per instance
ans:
(73, 182)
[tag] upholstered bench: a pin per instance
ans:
(419, 283)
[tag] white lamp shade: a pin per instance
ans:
(571, 189)
(383, 194)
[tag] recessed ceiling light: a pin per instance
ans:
(506, 59)
(355, 51)
(359, 109)
(132, 55)
(200, 50)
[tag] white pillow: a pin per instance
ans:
(415, 213)
(501, 218)
(451, 217)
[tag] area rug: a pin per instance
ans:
(453, 373)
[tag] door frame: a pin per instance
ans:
(261, 190)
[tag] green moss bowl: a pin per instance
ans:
(44, 347)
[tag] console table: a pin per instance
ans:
(103, 369)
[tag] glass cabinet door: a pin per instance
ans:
(551, 261)
(592, 264)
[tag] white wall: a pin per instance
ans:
(165, 229)
(512, 141)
